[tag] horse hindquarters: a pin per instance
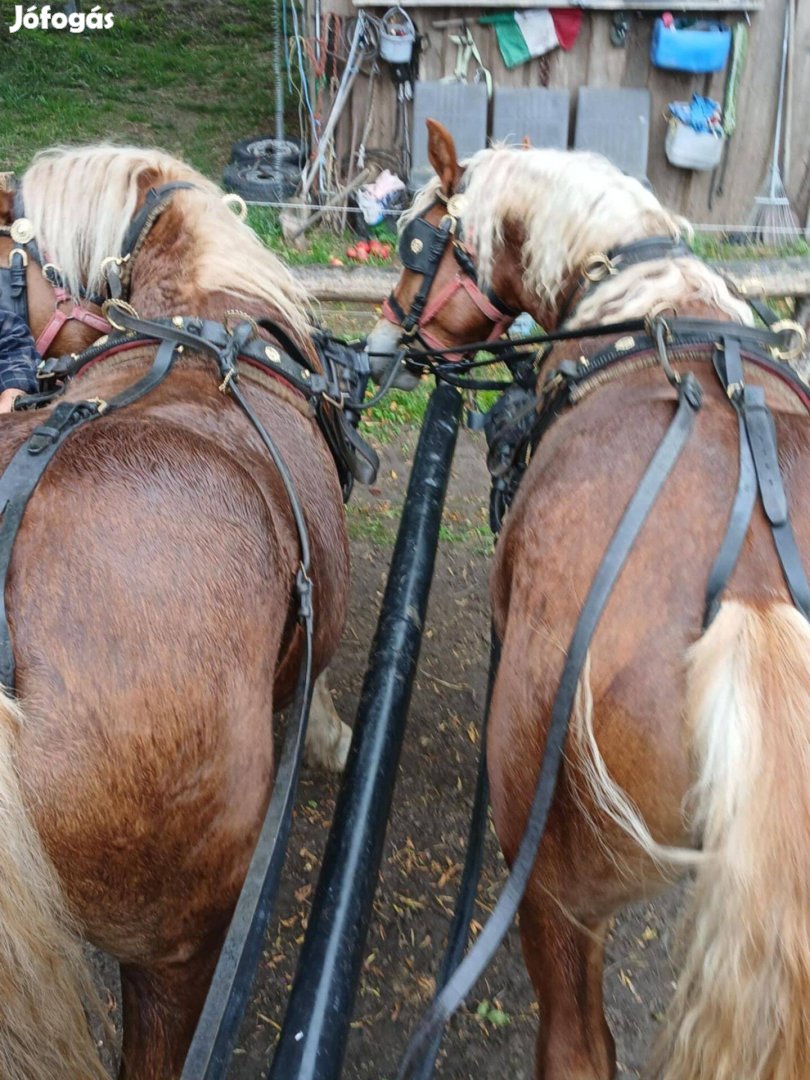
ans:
(43, 977)
(742, 999)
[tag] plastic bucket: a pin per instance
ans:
(397, 35)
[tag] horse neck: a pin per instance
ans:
(163, 286)
(686, 286)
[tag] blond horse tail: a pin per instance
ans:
(43, 977)
(741, 1009)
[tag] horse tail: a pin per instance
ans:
(43, 976)
(742, 1002)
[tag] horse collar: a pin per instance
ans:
(602, 265)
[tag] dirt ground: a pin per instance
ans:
(426, 835)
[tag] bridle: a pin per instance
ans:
(421, 248)
(13, 283)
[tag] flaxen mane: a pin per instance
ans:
(81, 201)
(571, 205)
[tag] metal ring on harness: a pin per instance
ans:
(598, 267)
(113, 260)
(233, 316)
(236, 204)
(18, 251)
(120, 305)
(791, 327)
(661, 333)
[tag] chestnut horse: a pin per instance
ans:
(686, 748)
(151, 605)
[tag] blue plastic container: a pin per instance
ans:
(699, 48)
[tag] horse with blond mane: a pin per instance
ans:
(687, 746)
(151, 605)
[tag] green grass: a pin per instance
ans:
(717, 246)
(378, 525)
(192, 77)
(323, 244)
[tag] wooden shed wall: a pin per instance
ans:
(594, 61)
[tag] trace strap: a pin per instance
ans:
(26, 468)
(210, 1051)
(471, 968)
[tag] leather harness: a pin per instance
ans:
(13, 285)
(726, 346)
(421, 249)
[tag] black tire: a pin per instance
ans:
(262, 182)
(262, 148)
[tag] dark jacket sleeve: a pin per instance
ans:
(18, 354)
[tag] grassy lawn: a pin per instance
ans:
(190, 76)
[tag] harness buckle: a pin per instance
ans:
(793, 352)
(23, 254)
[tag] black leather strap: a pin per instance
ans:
(467, 974)
(729, 369)
(762, 440)
(438, 245)
(26, 468)
(156, 200)
(210, 1051)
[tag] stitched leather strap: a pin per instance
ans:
(26, 468)
(729, 369)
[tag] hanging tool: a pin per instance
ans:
(739, 48)
(773, 221)
(467, 51)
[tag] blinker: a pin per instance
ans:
(418, 245)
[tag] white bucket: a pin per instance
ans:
(397, 36)
(689, 149)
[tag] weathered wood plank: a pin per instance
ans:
(587, 5)
(762, 278)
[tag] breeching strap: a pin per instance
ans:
(632, 521)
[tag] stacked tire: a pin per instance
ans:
(264, 169)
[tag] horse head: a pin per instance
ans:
(532, 228)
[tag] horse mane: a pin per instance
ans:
(81, 201)
(572, 204)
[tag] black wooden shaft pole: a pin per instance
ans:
(313, 1038)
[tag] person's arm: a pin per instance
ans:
(18, 360)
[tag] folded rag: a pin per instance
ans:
(701, 114)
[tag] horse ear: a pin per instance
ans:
(442, 156)
(527, 143)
